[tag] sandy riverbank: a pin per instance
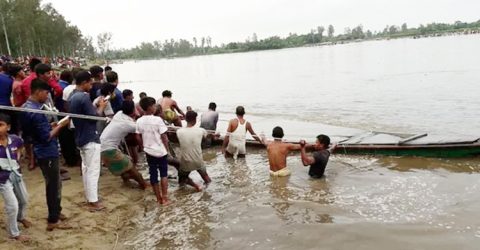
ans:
(91, 230)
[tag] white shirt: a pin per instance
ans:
(152, 127)
(120, 126)
(67, 91)
(108, 111)
(190, 140)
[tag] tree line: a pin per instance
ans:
(318, 35)
(29, 28)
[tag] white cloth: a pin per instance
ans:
(91, 164)
(238, 139)
(67, 91)
(120, 126)
(108, 111)
(190, 140)
(152, 127)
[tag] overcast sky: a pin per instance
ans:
(134, 21)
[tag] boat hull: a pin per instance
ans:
(435, 151)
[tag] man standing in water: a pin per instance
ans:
(319, 159)
(209, 122)
(169, 106)
(278, 152)
(191, 158)
(235, 139)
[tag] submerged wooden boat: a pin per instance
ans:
(395, 144)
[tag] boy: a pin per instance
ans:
(191, 159)
(12, 186)
(45, 148)
(118, 163)
(319, 159)
(155, 144)
(86, 137)
(278, 152)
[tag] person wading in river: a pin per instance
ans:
(235, 139)
(169, 106)
(278, 152)
(319, 159)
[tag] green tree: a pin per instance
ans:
(103, 41)
(331, 31)
(320, 30)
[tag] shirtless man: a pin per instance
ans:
(278, 152)
(169, 106)
(235, 139)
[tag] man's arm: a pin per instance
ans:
(139, 141)
(165, 142)
(255, 136)
(226, 139)
(294, 147)
(306, 160)
(101, 105)
(175, 107)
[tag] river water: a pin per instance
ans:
(405, 85)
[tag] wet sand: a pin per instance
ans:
(98, 230)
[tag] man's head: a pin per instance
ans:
(16, 71)
(212, 106)
(4, 124)
(96, 72)
(39, 90)
(112, 77)
(277, 133)
(240, 111)
(108, 68)
(66, 76)
(83, 80)
(127, 94)
(43, 71)
(148, 105)
(128, 108)
(191, 117)
(323, 142)
(107, 89)
(33, 63)
(167, 93)
(143, 95)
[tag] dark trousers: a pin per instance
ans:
(68, 148)
(53, 184)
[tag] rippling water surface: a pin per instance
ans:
(405, 85)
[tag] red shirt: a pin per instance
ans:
(25, 88)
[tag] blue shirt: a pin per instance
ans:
(14, 143)
(59, 103)
(85, 130)
(117, 102)
(38, 127)
(6, 83)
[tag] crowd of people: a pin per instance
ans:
(109, 129)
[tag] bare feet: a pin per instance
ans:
(25, 223)
(95, 206)
(59, 225)
(164, 202)
(198, 188)
(22, 238)
(62, 217)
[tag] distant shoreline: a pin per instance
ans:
(433, 35)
